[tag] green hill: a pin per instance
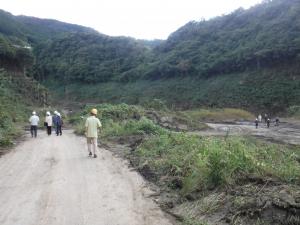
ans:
(248, 59)
(261, 37)
(88, 58)
(18, 90)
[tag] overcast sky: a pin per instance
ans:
(143, 19)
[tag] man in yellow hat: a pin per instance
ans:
(91, 130)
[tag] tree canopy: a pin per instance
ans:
(249, 44)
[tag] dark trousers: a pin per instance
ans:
(58, 130)
(49, 130)
(33, 131)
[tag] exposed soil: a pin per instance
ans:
(287, 132)
(52, 181)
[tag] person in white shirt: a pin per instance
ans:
(48, 121)
(34, 122)
(259, 118)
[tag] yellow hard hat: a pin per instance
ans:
(94, 111)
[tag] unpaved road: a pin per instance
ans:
(51, 181)
(287, 132)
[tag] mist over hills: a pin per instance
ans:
(248, 59)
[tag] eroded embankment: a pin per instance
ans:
(250, 199)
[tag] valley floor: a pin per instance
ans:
(287, 132)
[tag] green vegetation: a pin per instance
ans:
(195, 163)
(118, 120)
(248, 59)
(131, 127)
(190, 221)
(294, 111)
(34, 30)
(202, 169)
(17, 91)
(88, 58)
(12, 111)
(260, 37)
(126, 120)
(272, 89)
(14, 53)
(201, 163)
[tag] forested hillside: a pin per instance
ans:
(249, 59)
(18, 90)
(89, 58)
(34, 30)
(261, 37)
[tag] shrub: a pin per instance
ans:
(116, 112)
(155, 104)
(294, 111)
(118, 120)
(131, 127)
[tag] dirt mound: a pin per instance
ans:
(252, 203)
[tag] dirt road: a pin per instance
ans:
(51, 181)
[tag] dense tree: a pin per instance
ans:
(88, 57)
(248, 44)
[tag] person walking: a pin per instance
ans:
(91, 131)
(277, 121)
(256, 123)
(34, 122)
(57, 122)
(266, 117)
(49, 121)
(268, 122)
(259, 118)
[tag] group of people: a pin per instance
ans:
(266, 119)
(92, 124)
(49, 122)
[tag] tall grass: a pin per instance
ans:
(203, 163)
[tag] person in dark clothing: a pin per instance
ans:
(268, 122)
(266, 117)
(58, 122)
(256, 123)
(277, 121)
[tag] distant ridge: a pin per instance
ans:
(248, 59)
